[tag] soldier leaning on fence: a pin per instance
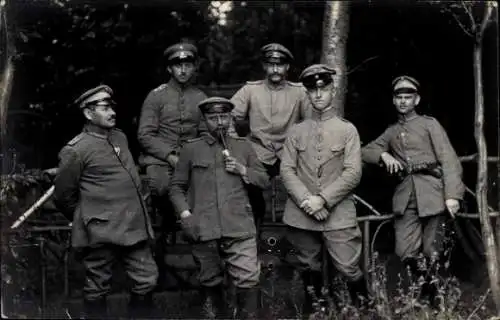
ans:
(209, 192)
(321, 166)
(417, 149)
(169, 118)
(271, 106)
(98, 188)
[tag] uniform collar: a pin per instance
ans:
(209, 138)
(325, 115)
(96, 131)
(407, 118)
(274, 87)
(172, 83)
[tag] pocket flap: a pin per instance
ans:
(200, 164)
(104, 216)
(337, 148)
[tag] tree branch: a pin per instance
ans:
(462, 26)
(362, 63)
(486, 18)
(468, 10)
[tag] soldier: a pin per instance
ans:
(169, 118)
(98, 188)
(321, 166)
(272, 106)
(417, 149)
(208, 191)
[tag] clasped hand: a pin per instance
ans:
(314, 206)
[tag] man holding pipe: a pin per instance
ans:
(209, 193)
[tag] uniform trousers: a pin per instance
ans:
(344, 247)
(416, 234)
(159, 177)
(239, 255)
(137, 261)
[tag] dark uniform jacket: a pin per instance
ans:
(322, 156)
(169, 118)
(271, 111)
(413, 141)
(217, 199)
(98, 187)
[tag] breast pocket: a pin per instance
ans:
(334, 159)
(200, 165)
(336, 151)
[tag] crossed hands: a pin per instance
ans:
(314, 206)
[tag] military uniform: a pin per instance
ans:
(270, 111)
(419, 199)
(221, 226)
(322, 157)
(431, 175)
(98, 188)
(169, 118)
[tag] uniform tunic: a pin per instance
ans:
(98, 186)
(169, 118)
(271, 111)
(322, 156)
(416, 140)
(217, 199)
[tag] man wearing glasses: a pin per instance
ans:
(98, 188)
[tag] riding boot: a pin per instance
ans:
(214, 304)
(358, 292)
(95, 309)
(141, 306)
(248, 302)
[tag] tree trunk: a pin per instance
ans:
(7, 73)
(482, 176)
(335, 34)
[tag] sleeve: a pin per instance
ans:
(351, 172)
(371, 152)
(179, 183)
(240, 112)
(448, 159)
(256, 172)
(67, 182)
(149, 123)
(288, 170)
